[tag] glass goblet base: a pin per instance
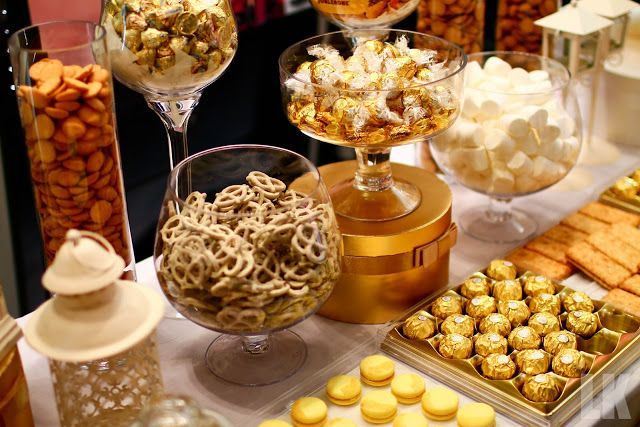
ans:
(498, 226)
(256, 360)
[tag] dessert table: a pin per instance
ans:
(182, 343)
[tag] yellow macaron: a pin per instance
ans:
(476, 415)
(309, 412)
(343, 390)
(408, 388)
(341, 422)
(410, 419)
(440, 403)
(379, 407)
(376, 370)
(274, 423)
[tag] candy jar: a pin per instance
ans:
(178, 411)
(98, 333)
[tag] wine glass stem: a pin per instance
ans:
(499, 210)
(255, 344)
(374, 170)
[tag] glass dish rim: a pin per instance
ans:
(98, 30)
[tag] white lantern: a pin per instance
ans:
(617, 11)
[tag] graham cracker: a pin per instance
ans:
(525, 260)
(632, 284)
(584, 223)
(617, 250)
(567, 235)
(596, 264)
(627, 233)
(624, 301)
(549, 248)
(610, 214)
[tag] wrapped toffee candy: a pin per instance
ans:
(490, 343)
(545, 303)
(544, 323)
(582, 323)
(516, 311)
(455, 346)
(458, 324)
(556, 341)
(481, 306)
(541, 388)
(475, 286)
(626, 188)
(536, 285)
(496, 323)
(500, 269)
(498, 367)
(524, 337)
(533, 361)
(578, 300)
(446, 306)
(419, 326)
(568, 363)
(505, 290)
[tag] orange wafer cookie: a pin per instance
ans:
(624, 301)
(617, 250)
(584, 223)
(627, 233)
(609, 214)
(549, 248)
(525, 259)
(567, 235)
(603, 269)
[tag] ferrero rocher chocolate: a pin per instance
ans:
(446, 306)
(420, 326)
(505, 290)
(626, 187)
(523, 338)
(500, 269)
(556, 341)
(498, 367)
(496, 323)
(458, 324)
(544, 323)
(545, 303)
(516, 311)
(455, 346)
(490, 343)
(475, 286)
(568, 363)
(541, 388)
(578, 300)
(533, 362)
(582, 323)
(536, 285)
(481, 306)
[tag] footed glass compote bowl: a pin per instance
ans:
(372, 90)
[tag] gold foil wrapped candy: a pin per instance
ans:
(498, 367)
(523, 338)
(504, 290)
(535, 285)
(481, 306)
(556, 341)
(455, 346)
(496, 323)
(578, 300)
(490, 343)
(569, 363)
(541, 388)
(626, 188)
(582, 323)
(446, 306)
(419, 326)
(458, 324)
(475, 286)
(516, 311)
(500, 269)
(533, 361)
(545, 303)
(544, 323)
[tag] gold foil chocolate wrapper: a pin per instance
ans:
(419, 326)
(475, 286)
(544, 323)
(545, 303)
(582, 323)
(446, 306)
(516, 311)
(498, 367)
(578, 300)
(481, 306)
(536, 285)
(505, 290)
(568, 363)
(556, 341)
(636, 175)
(495, 323)
(455, 346)
(523, 338)
(626, 187)
(500, 269)
(533, 362)
(458, 324)
(541, 388)
(490, 343)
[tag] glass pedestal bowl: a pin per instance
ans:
(519, 133)
(372, 90)
(249, 250)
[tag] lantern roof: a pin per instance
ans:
(574, 20)
(610, 9)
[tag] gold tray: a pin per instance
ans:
(609, 351)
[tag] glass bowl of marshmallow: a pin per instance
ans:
(519, 132)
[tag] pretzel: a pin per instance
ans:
(269, 187)
(309, 241)
(233, 197)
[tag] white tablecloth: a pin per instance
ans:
(182, 344)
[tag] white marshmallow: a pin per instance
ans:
(502, 181)
(546, 171)
(470, 134)
(553, 150)
(471, 104)
(536, 116)
(538, 76)
(529, 144)
(571, 150)
(446, 141)
(519, 76)
(549, 132)
(499, 143)
(514, 125)
(566, 124)
(476, 180)
(457, 161)
(527, 184)
(495, 84)
(497, 67)
(489, 109)
(476, 159)
(473, 74)
(520, 164)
